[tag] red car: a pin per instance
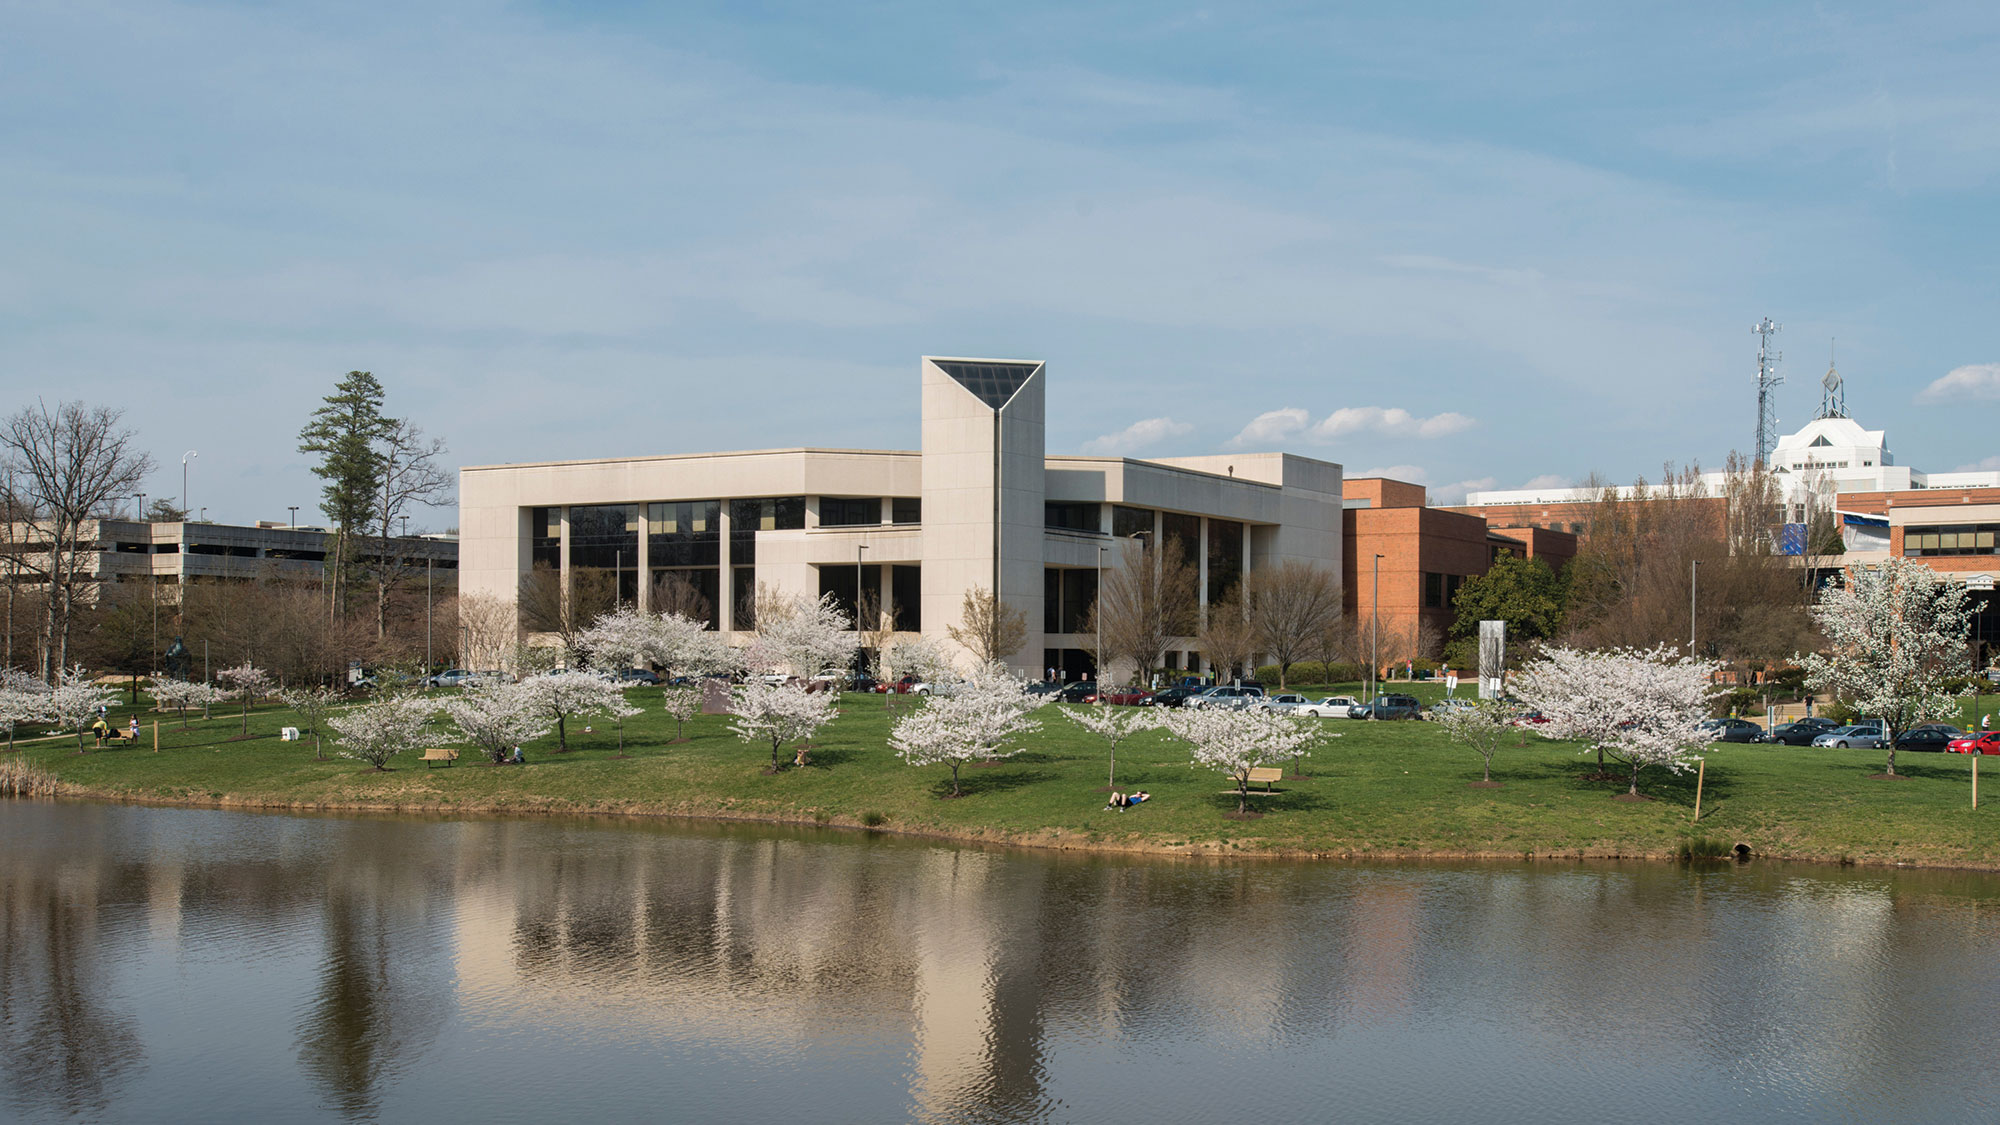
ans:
(1128, 696)
(900, 687)
(1985, 742)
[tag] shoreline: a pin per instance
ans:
(1040, 841)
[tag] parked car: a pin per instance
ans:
(899, 687)
(1393, 707)
(639, 676)
(452, 677)
(1332, 707)
(1175, 696)
(1290, 701)
(1947, 728)
(1859, 737)
(1082, 691)
(1732, 730)
(1044, 687)
(1128, 696)
(1800, 732)
(1226, 697)
(1985, 742)
(1924, 738)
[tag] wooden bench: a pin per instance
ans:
(1266, 775)
(443, 754)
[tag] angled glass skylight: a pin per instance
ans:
(993, 383)
(1820, 441)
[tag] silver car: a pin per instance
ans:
(1863, 738)
(1226, 698)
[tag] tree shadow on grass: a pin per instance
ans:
(827, 757)
(1932, 767)
(990, 781)
(1271, 804)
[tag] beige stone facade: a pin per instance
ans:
(981, 504)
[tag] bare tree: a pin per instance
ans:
(1291, 606)
(70, 465)
(410, 475)
(546, 606)
(1228, 640)
(991, 629)
(1144, 606)
(488, 630)
(674, 594)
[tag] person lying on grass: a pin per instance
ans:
(1123, 801)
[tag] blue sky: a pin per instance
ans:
(1473, 245)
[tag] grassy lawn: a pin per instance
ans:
(1391, 789)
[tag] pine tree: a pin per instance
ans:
(344, 433)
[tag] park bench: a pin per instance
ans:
(443, 754)
(1268, 775)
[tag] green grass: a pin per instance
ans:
(1389, 789)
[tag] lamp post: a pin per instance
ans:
(141, 497)
(1694, 582)
(1375, 628)
(428, 662)
(204, 516)
(1097, 618)
(184, 480)
(294, 509)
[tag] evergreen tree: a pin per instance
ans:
(1524, 593)
(344, 433)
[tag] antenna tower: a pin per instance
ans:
(1767, 381)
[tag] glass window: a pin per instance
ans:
(1186, 530)
(1051, 599)
(545, 536)
(1071, 516)
(1225, 557)
(743, 582)
(604, 536)
(684, 533)
(840, 511)
(907, 592)
(907, 509)
(1433, 591)
(1127, 522)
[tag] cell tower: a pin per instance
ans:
(1767, 381)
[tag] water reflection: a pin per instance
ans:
(365, 969)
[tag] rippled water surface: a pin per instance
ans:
(186, 965)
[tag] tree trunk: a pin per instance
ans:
(954, 777)
(1489, 769)
(1634, 790)
(1243, 793)
(1892, 757)
(562, 736)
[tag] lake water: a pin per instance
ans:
(192, 965)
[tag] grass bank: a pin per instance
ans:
(1382, 789)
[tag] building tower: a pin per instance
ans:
(1767, 381)
(1833, 393)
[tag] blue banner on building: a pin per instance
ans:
(1792, 539)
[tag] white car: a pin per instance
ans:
(1332, 707)
(1287, 702)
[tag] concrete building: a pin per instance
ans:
(980, 504)
(175, 553)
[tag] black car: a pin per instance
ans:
(1926, 738)
(1175, 696)
(1082, 691)
(1391, 707)
(1044, 687)
(859, 682)
(1733, 730)
(1801, 732)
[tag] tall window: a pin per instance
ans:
(1225, 557)
(545, 536)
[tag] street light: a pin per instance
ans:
(294, 509)
(184, 481)
(142, 505)
(1694, 582)
(858, 548)
(1375, 628)
(1097, 616)
(204, 516)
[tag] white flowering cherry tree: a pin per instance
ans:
(682, 703)
(918, 657)
(1113, 725)
(1896, 636)
(1236, 742)
(1644, 707)
(565, 694)
(313, 704)
(498, 717)
(182, 695)
(75, 701)
(376, 732)
(23, 699)
(984, 718)
(1481, 728)
(803, 637)
(247, 682)
(778, 713)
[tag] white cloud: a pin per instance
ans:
(1138, 435)
(1274, 426)
(1441, 495)
(1270, 427)
(1415, 474)
(1983, 465)
(1447, 495)
(1393, 422)
(1975, 382)
(1547, 480)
